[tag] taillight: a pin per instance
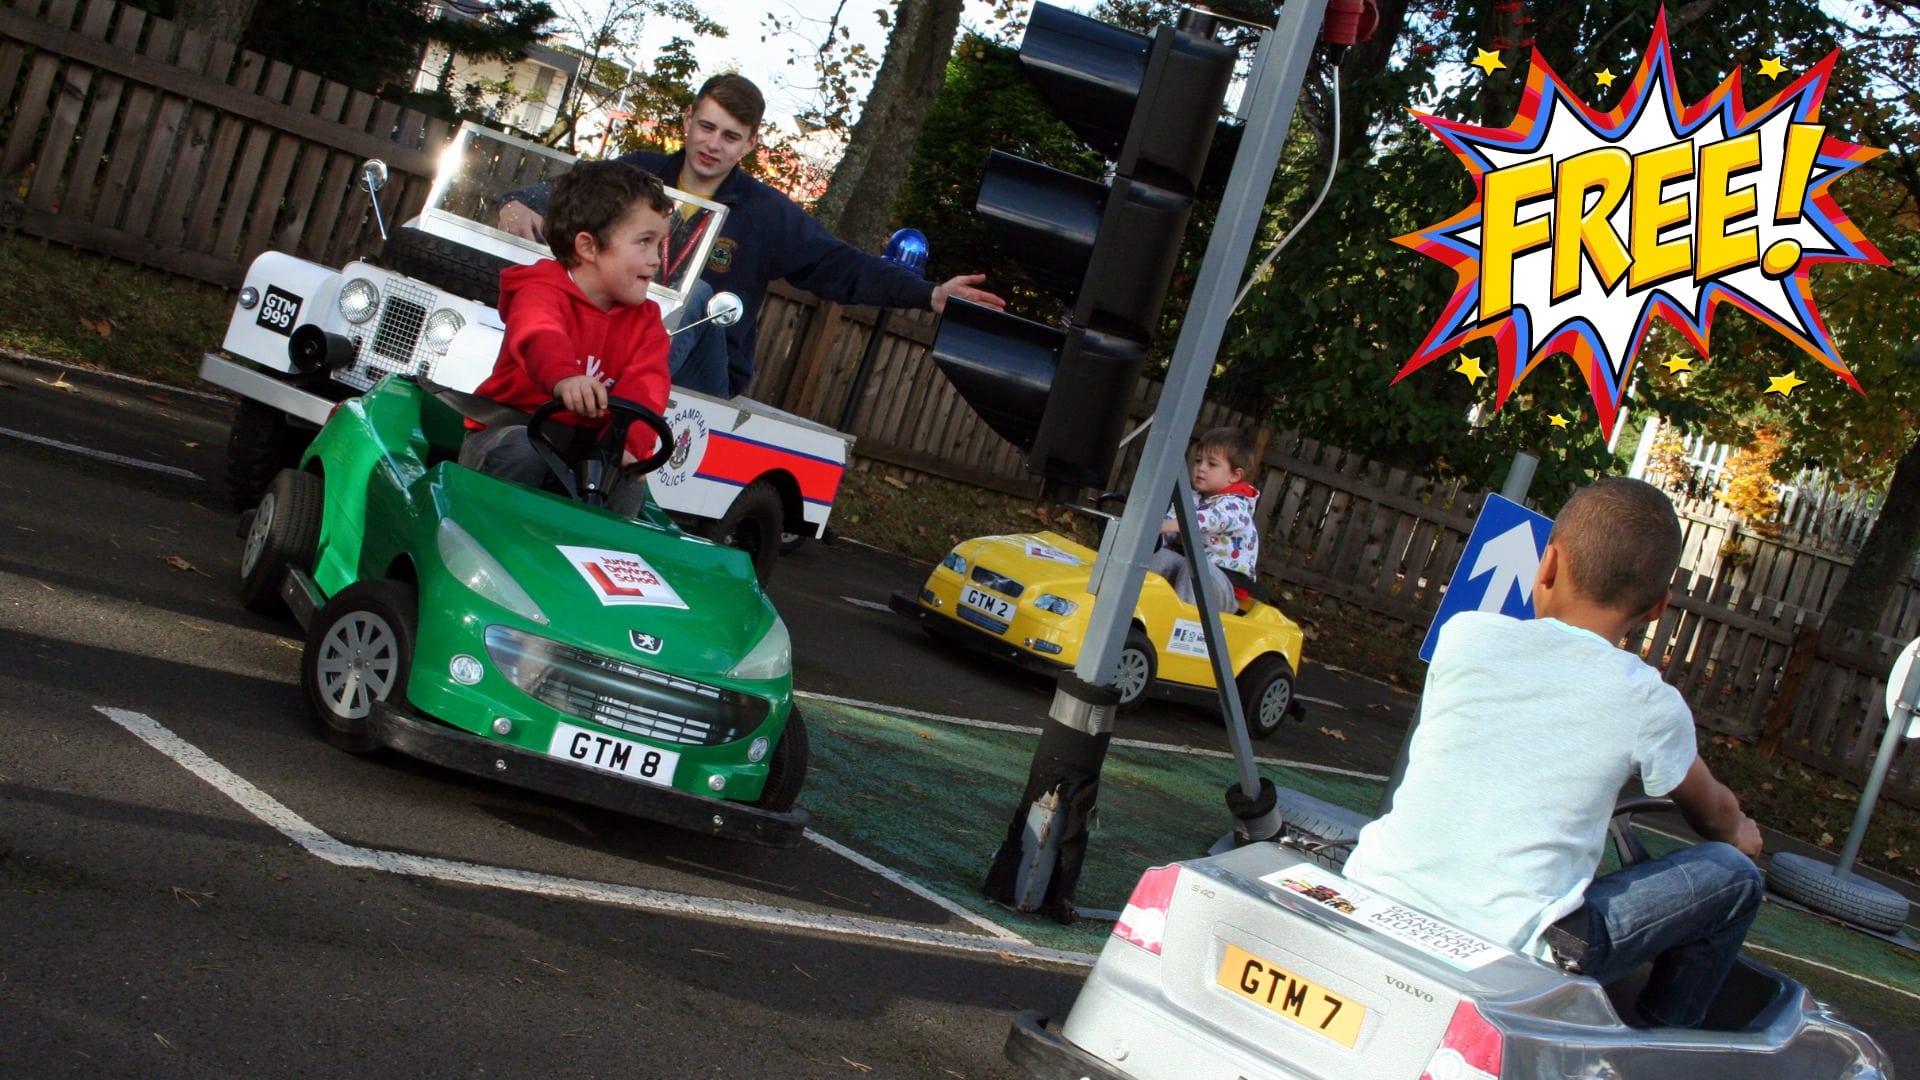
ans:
(1144, 920)
(1469, 1051)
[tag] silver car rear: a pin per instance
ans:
(1261, 962)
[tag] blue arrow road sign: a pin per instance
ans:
(1495, 572)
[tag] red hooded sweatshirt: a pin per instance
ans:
(554, 332)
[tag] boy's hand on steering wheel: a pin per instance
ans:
(583, 395)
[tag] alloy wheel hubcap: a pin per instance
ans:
(358, 663)
(257, 535)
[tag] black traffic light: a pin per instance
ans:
(1151, 105)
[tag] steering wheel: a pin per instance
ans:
(584, 470)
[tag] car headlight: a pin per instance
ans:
(359, 299)
(1058, 605)
(772, 658)
(954, 562)
(470, 563)
(441, 326)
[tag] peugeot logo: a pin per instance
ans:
(645, 642)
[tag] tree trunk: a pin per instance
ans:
(222, 20)
(1890, 545)
(858, 203)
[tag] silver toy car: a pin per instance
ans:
(1264, 962)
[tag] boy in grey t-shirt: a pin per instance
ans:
(1528, 731)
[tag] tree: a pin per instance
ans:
(1874, 438)
(858, 204)
(388, 37)
(985, 104)
(605, 79)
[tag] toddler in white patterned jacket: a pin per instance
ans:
(1224, 515)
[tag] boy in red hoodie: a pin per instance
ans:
(580, 326)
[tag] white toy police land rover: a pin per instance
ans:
(308, 336)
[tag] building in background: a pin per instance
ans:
(530, 96)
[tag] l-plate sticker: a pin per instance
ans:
(621, 577)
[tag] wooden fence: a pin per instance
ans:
(123, 136)
(126, 136)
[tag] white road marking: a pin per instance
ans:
(913, 886)
(339, 853)
(1830, 967)
(117, 459)
(870, 605)
(1322, 701)
(1142, 744)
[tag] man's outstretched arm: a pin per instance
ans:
(1713, 810)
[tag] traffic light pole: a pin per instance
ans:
(1037, 868)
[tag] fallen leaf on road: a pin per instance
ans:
(60, 383)
(897, 482)
(1826, 839)
(189, 444)
(852, 1064)
(1334, 733)
(182, 893)
(801, 970)
(163, 1040)
(179, 563)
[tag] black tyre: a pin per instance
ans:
(1266, 694)
(284, 535)
(1138, 665)
(443, 264)
(753, 525)
(1850, 899)
(359, 651)
(788, 769)
(261, 442)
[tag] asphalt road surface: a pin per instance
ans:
(196, 885)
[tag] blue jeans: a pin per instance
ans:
(1687, 912)
(697, 359)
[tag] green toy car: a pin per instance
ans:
(527, 635)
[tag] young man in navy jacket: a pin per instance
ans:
(765, 236)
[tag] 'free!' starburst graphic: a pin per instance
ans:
(1587, 224)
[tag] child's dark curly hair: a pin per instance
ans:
(591, 196)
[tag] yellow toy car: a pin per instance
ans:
(1024, 598)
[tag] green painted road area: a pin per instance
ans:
(931, 800)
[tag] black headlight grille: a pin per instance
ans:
(623, 695)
